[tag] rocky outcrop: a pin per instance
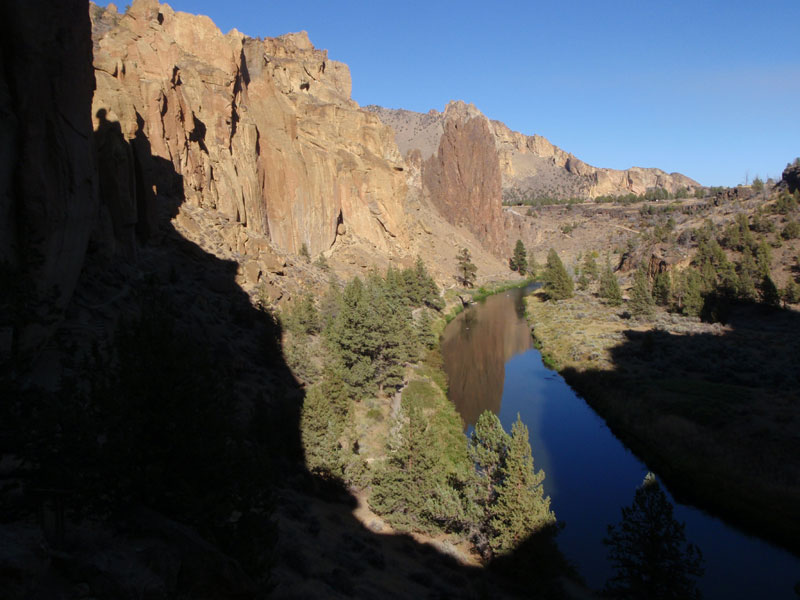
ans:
(263, 131)
(47, 185)
(463, 177)
(791, 176)
(530, 165)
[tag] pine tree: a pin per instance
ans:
(519, 261)
(521, 508)
(424, 329)
(533, 266)
(769, 292)
(324, 419)
(390, 321)
(728, 283)
(589, 267)
(304, 317)
(662, 288)
(429, 291)
(763, 259)
(642, 302)
(466, 270)
(609, 286)
(693, 296)
(679, 281)
(649, 551)
(412, 489)
(746, 287)
(791, 293)
(558, 283)
(353, 339)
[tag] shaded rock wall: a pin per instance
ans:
(47, 169)
(263, 131)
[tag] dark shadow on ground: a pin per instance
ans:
(173, 440)
(716, 415)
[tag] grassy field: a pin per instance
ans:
(713, 409)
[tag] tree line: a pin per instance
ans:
(430, 477)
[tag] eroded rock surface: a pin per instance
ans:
(463, 177)
(529, 164)
(263, 131)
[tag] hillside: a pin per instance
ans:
(531, 166)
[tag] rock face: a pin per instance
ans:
(463, 177)
(531, 166)
(47, 184)
(263, 131)
(791, 176)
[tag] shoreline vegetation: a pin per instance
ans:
(377, 421)
(693, 400)
(455, 298)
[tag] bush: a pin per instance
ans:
(791, 230)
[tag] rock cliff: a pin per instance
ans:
(47, 181)
(531, 165)
(462, 178)
(262, 131)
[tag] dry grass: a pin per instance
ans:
(714, 409)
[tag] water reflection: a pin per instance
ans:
(590, 475)
(476, 347)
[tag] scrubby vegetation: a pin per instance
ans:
(408, 449)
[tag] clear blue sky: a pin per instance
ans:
(709, 88)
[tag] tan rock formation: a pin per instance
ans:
(463, 177)
(531, 164)
(263, 131)
(47, 186)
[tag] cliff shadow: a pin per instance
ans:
(167, 461)
(714, 412)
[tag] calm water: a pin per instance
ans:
(490, 360)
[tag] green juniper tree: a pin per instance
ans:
(519, 262)
(419, 485)
(589, 267)
(533, 266)
(558, 283)
(769, 292)
(791, 293)
(649, 552)
(353, 339)
(609, 286)
(662, 288)
(748, 271)
(324, 419)
(466, 269)
(693, 294)
(642, 302)
(521, 508)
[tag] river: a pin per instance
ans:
(590, 475)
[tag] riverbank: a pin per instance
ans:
(697, 402)
(455, 298)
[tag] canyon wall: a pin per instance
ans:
(530, 165)
(47, 169)
(462, 178)
(263, 131)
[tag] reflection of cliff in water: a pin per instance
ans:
(476, 346)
